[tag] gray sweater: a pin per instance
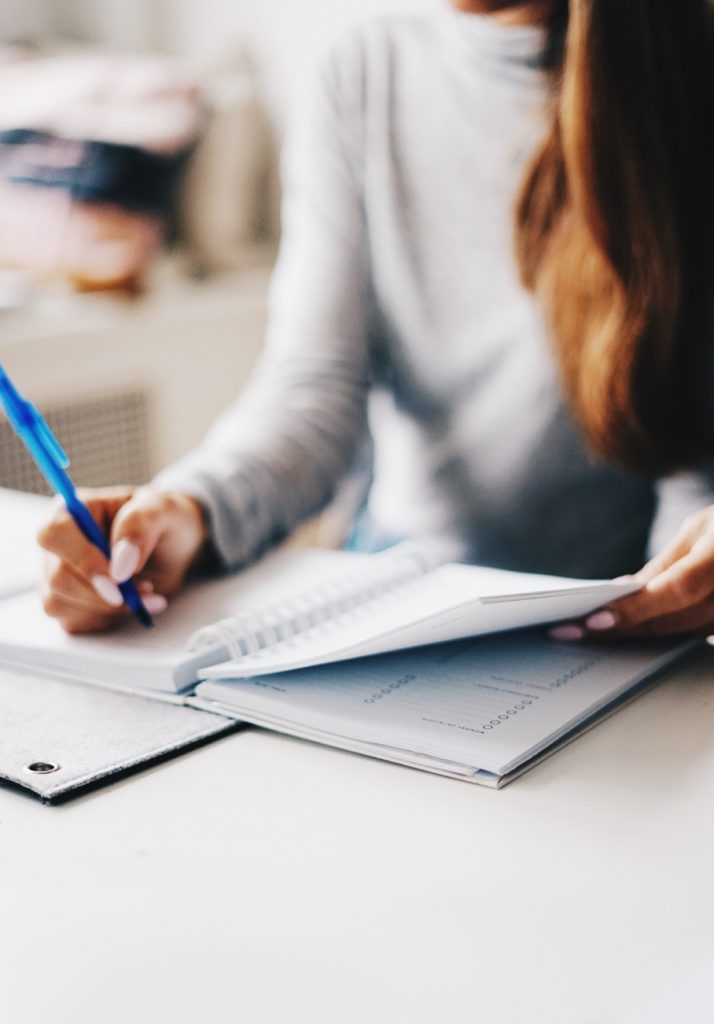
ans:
(399, 329)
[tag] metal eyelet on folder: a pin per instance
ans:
(42, 767)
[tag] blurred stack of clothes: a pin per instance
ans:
(91, 149)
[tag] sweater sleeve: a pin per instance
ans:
(677, 496)
(276, 456)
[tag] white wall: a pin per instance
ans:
(24, 19)
(283, 35)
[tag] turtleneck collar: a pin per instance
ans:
(514, 52)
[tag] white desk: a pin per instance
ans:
(262, 879)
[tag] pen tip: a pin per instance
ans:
(144, 618)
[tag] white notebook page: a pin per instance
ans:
(132, 657)
(487, 703)
(21, 516)
(450, 602)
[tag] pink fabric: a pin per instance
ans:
(142, 101)
(145, 101)
(94, 245)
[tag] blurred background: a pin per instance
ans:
(139, 211)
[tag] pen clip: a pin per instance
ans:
(46, 437)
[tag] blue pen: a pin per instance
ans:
(52, 462)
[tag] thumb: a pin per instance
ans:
(677, 548)
(136, 531)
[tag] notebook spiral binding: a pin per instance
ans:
(265, 628)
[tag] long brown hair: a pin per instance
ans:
(614, 221)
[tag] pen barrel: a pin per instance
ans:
(91, 530)
(132, 599)
(52, 461)
(87, 524)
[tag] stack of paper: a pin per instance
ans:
(484, 710)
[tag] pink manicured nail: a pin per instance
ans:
(155, 604)
(108, 591)
(568, 632)
(125, 558)
(601, 620)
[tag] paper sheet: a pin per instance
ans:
(20, 555)
(488, 703)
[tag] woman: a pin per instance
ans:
(540, 404)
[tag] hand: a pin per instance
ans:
(154, 536)
(677, 596)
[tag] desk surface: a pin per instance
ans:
(265, 879)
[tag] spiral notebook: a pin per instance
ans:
(298, 608)
(482, 710)
(282, 645)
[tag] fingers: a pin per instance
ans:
(685, 584)
(73, 601)
(75, 556)
(78, 589)
(137, 529)
(61, 536)
(607, 624)
(697, 619)
(79, 605)
(677, 596)
(162, 532)
(159, 535)
(686, 536)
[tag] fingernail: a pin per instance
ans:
(145, 586)
(602, 620)
(108, 591)
(125, 558)
(568, 632)
(155, 604)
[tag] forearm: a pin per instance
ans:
(275, 458)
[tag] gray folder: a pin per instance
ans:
(58, 738)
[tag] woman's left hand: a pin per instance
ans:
(677, 596)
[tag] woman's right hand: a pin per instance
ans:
(155, 537)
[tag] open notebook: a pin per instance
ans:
(483, 710)
(295, 609)
(286, 638)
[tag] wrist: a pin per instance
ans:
(197, 519)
